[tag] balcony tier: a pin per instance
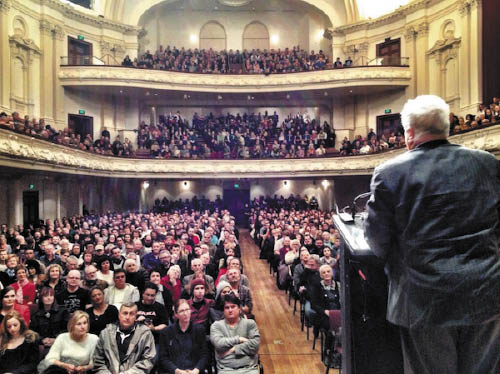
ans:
(397, 76)
(24, 152)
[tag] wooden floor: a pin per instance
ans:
(283, 346)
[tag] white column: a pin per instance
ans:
(4, 56)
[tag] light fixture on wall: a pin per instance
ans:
(325, 183)
(185, 185)
(320, 34)
(286, 184)
(275, 39)
(145, 185)
(193, 38)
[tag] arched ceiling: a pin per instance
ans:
(129, 12)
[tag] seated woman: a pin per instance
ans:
(54, 279)
(217, 310)
(19, 352)
(105, 273)
(183, 345)
(25, 290)
(48, 319)
(8, 305)
(325, 298)
(163, 296)
(72, 351)
(172, 282)
(100, 313)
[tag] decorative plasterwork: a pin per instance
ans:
(28, 153)
(398, 14)
(120, 76)
(71, 13)
(4, 5)
(445, 46)
(17, 41)
(235, 2)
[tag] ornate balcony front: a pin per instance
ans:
(24, 152)
(102, 75)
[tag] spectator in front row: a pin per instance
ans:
(125, 347)
(19, 352)
(183, 346)
(236, 340)
(72, 351)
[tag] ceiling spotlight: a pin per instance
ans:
(288, 96)
(121, 91)
(326, 93)
(325, 183)
(219, 97)
(147, 93)
(145, 185)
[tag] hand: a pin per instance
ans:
(243, 339)
(301, 289)
(228, 352)
(70, 368)
(140, 318)
(81, 369)
(327, 312)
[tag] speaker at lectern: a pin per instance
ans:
(371, 345)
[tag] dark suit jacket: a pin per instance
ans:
(434, 218)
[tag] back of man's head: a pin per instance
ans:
(426, 114)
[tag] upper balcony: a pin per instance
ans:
(374, 73)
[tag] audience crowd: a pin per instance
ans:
(256, 61)
(230, 136)
(303, 248)
(134, 292)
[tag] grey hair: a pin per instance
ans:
(316, 259)
(426, 114)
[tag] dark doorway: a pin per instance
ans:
(235, 200)
(390, 50)
(389, 123)
(30, 207)
(79, 52)
(81, 125)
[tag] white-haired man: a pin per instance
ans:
(433, 217)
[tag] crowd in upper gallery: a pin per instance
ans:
(77, 294)
(236, 136)
(288, 60)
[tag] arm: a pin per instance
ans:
(220, 342)
(166, 349)
(100, 361)
(379, 225)
(147, 357)
(251, 346)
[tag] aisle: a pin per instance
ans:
(283, 346)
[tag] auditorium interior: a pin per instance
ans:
(137, 106)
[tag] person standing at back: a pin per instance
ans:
(433, 218)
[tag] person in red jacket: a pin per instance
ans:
(200, 305)
(25, 290)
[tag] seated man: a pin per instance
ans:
(243, 292)
(73, 297)
(151, 313)
(200, 305)
(236, 340)
(121, 292)
(125, 348)
(235, 263)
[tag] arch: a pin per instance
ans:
(132, 11)
(20, 27)
(255, 36)
(213, 36)
(448, 30)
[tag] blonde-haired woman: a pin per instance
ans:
(72, 351)
(54, 279)
(19, 352)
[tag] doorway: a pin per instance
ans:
(30, 208)
(236, 200)
(81, 125)
(79, 52)
(390, 50)
(389, 123)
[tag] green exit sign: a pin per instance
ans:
(31, 186)
(81, 111)
(236, 185)
(81, 37)
(388, 111)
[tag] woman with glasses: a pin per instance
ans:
(183, 345)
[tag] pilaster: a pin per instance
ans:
(422, 42)
(4, 55)
(411, 47)
(46, 72)
(58, 102)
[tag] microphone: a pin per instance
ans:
(362, 196)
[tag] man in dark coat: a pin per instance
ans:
(433, 217)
